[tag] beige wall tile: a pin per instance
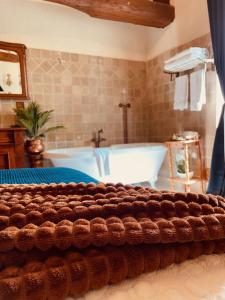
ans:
(84, 92)
(163, 121)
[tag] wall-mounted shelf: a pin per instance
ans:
(187, 61)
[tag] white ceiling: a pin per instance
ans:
(45, 25)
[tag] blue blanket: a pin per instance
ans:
(43, 175)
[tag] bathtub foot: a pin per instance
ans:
(152, 184)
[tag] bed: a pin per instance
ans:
(95, 241)
(43, 175)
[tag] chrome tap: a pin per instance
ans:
(97, 139)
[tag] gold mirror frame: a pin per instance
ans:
(20, 49)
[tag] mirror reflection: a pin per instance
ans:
(10, 74)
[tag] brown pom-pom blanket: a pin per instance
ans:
(65, 239)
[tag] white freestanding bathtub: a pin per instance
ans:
(128, 163)
(134, 163)
(81, 158)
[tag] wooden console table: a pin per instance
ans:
(12, 148)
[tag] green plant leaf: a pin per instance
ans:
(51, 129)
(44, 117)
(33, 119)
(181, 167)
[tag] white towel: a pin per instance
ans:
(198, 90)
(102, 157)
(181, 93)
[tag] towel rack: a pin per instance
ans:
(205, 64)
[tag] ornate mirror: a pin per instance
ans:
(13, 72)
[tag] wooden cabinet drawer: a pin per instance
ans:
(6, 137)
(7, 158)
(12, 148)
(4, 160)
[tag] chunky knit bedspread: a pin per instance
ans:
(65, 239)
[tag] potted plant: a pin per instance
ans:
(34, 120)
(181, 166)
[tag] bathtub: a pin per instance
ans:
(134, 163)
(126, 163)
(81, 158)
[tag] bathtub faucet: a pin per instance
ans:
(97, 139)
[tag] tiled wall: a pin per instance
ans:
(84, 92)
(163, 120)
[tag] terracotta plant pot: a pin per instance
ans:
(34, 147)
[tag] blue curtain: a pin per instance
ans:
(216, 10)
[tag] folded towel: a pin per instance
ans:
(181, 93)
(198, 90)
(102, 157)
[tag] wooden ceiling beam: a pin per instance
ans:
(157, 13)
(163, 1)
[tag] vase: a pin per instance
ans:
(184, 175)
(34, 147)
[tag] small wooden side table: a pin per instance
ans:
(188, 180)
(38, 161)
